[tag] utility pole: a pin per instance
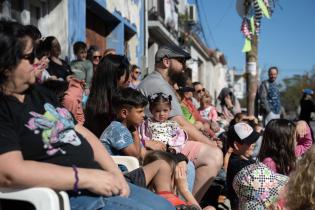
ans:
(251, 69)
(251, 75)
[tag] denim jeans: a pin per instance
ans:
(191, 173)
(139, 199)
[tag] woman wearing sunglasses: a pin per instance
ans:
(94, 55)
(41, 145)
(134, 76)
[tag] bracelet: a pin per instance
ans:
(76, 176)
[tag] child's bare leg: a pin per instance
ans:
(159, 174)
(207, 168)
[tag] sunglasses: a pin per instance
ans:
(30, 57)
(137, 72)
(97, 56)
(201, 90)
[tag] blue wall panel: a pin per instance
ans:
(76, 23)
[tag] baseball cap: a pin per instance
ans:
(308, 91)
(257, 187)
(243, 133)
(171, 51)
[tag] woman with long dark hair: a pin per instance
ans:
(111, 73)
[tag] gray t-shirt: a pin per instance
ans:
(155, 83)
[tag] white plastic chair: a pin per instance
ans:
(40, 197)
(130, 162)
(44, 198)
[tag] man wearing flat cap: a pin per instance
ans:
(169, 68)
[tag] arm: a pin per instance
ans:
(214, 114)
(100, 154)
(263, 97)
(75, 107)
(17, 172)
(192, 131)
(270, 164)
(304, 139)
(103, 158)
(135, 148)
(181, 183)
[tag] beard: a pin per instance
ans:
(179, 78)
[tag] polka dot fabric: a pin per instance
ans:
(257, 187)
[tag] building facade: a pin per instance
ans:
(105, 23)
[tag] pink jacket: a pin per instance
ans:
(73, 100)
(303, 144)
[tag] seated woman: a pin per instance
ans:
(57, 66)
(229, 105)
(111, 73)
(41, 145)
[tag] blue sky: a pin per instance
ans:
(287, 40)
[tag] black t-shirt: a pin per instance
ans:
(60, 71)
(42, 130)
(235, 165)
(307, 107)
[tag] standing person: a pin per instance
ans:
(134, 76)
(269, 95)
(41, 145)
(307, 107)
(169, 64)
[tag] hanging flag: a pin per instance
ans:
(247, 46)
(252, 25)
(263, 8)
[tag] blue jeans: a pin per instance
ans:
(139, 199)
(191, 173)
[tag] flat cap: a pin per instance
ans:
(171, 51)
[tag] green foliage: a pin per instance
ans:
(291, 92)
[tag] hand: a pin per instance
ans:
(70, 77)
(181, 177)
(301, 128)
(125, 191)
(228, 102)
(155, 145)
(105, 183)
(219, 143)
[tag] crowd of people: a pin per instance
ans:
(61, 122)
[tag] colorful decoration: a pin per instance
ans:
(245, 29)
(247, 46)
(253, 11)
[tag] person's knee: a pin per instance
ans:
(163, 165)
(212, 156)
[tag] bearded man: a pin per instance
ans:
(170, 63)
